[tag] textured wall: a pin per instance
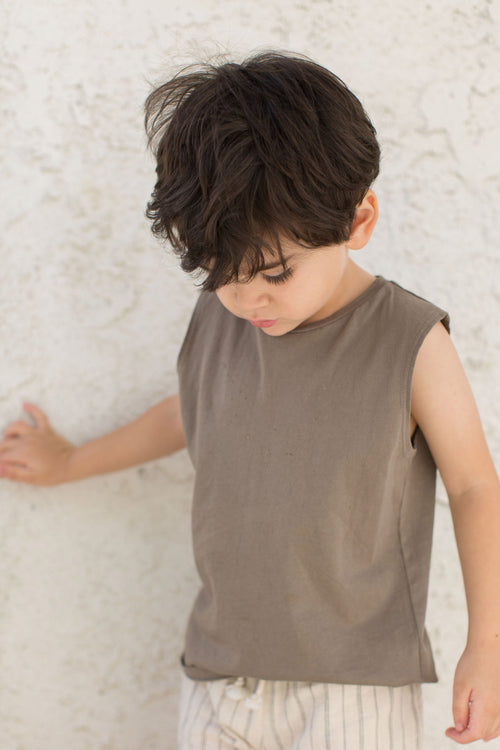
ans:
(97, 577)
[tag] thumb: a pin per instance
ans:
(461, 706)
(40, 418)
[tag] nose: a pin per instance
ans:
(250, 297)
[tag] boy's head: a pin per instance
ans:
(250, 154)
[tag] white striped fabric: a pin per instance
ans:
(300, 716)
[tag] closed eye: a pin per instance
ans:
(280, 278)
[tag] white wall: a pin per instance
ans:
(97, 577)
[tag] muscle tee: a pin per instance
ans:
(313, 509)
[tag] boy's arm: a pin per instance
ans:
(39, 455)
(444, 408)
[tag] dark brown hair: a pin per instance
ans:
(276, 146)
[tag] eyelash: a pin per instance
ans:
(281, 278)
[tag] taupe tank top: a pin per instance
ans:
(313, 510)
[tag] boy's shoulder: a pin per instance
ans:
(404, 307)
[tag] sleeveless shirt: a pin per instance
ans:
(313, 509)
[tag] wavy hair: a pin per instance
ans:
(249, 153)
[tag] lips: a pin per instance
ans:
(263, 323)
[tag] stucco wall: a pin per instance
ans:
(97, 577)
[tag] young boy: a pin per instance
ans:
(316, 401)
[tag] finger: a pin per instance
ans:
(9, 455)
(15, 451)
(452, 734)
(17, 428)
(463, 738)
(7, 445)
(492, 727)
(492, 736)
(16, 473)
(41, 419)
(462, 702)
(474, 729)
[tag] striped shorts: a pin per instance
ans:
(251, 714)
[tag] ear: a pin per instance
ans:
(364, 221)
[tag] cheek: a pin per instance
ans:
(224, 296)
(303, 289)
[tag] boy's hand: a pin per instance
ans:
(36, 455)
(476, 696)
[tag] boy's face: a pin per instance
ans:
(315, 284)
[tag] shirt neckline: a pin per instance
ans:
(378, 282)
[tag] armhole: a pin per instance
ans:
(189, 330)
(410, 442)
